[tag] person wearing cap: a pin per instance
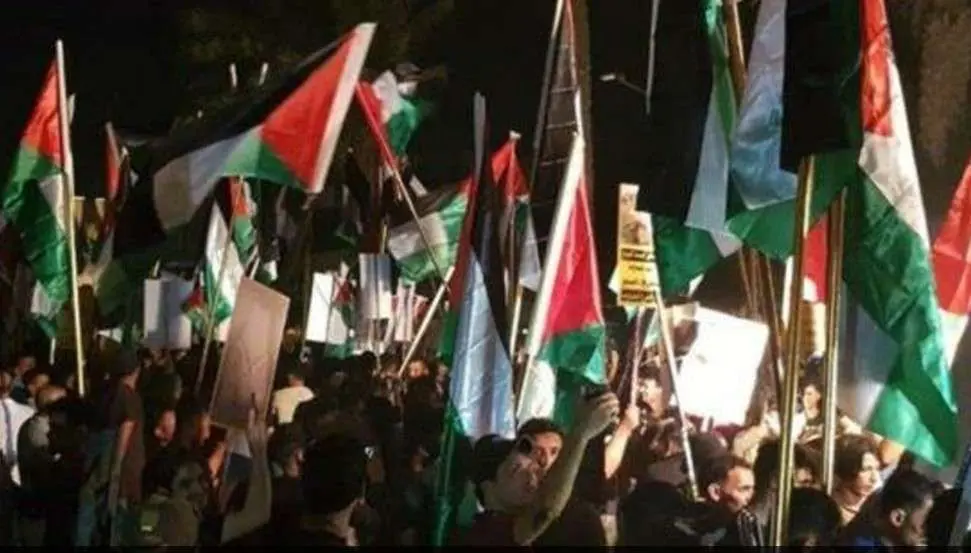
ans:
(519, 501)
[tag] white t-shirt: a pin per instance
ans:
(286, 400)
(12, 416)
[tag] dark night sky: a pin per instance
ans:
(122, 66)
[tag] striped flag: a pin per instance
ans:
(33, 202)
(481, 393)
(952, 271)
(517, 215)
(441, 214)
(896, 378)
(284, 134)
(692, 114)
(566, 334)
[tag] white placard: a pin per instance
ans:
(165, 325)
(719, 372)
(325, 322)
(374, 294)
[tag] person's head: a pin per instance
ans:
(35, 379)
(165, 427)
(417, 368)
(903, 507)
(812, 394)
(506, 478)
(647, 513)
(940, 521)
(194, 424)
(25, 362)
(650, 388)
(544, 440)
(804, 475)
(815, 518)
(334, 475)
(296, 377)
(857, 467)
(286, 450)
(727, 481)
(48, 395)
(126, 366)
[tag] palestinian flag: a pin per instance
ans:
(565, 344)
(952, 269)
(820, 100)
(340, 342)
(441, 214)
(692, 114)
(398, 115)
(481, 392)
(243, 210)
(895, 377)
(517, 217)
(220, 283)
(195, 308)
(284, 134)
(33, 201)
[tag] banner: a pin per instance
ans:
(165, 325)
(719, 372)
(248, 362)
(636, 267)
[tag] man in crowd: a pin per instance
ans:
(521, 500)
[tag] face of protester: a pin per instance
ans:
(736, 491)
(517, 480)
(868, 478)
(811, 398)
(545, 449)
(653, 395)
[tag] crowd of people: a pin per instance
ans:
(348, 454)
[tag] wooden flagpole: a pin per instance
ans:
(65, 130)
(787, 408)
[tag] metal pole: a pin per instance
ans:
(833, 283)
(68, 158)
(780, 522)
(426, 321)
(667, 342)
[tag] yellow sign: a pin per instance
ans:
(636, 266)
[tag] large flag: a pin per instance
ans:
(440, 214)
(516, 227)
(284, 134)
(895, 378)
(819, 98)
(566, 334)
(481, 392)
(952, 268)
(692, 113)
(33, 201)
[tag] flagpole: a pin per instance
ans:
(667, 342)
(68, 161)
(211, 305)
(426, 321)
(398, 181)
(780, 520)
(544, 98)
(761, 265)
(834, 283)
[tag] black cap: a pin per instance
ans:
(488, 453)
